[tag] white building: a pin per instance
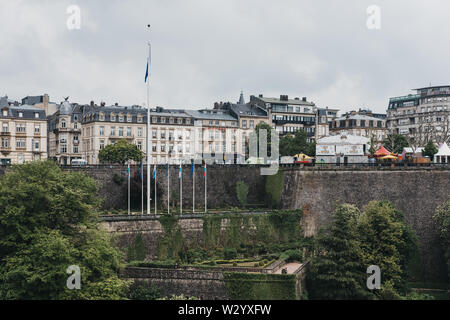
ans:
(342, 149)
(443, 154)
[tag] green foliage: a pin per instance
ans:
(395, 142)
(180, 297)
(120, 152)
(137, 252)
(47, 223)
(297, 143)
(118, 179)
(291, 255)
(338, 272)
(242, 192)
(167, 264)
(230, 253)
(442, 219)
(171, 245)
(274, 188)
(429, 150)
(143, 291)
(372, 148)
(249, 286)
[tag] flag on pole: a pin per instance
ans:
(146, 73)
(154, 172)
(167, 169)
(128, 171)
(142, 170)
(192, 170)
(179, 172)
(204, 171)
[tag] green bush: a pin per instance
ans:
(242, 193)
(118, 179)
(291, 255)
(140, 291)
(229, 253)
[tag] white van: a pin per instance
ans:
(79, 162)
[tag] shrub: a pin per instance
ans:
(140, 291)
(229, 253)
(291, 255)
(242, 192)
(118, 179)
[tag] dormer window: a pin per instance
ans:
(20, 114)
(113, 117)
(36, 115)
(139, 118)
(120, 117)
(129, 117)
(5, 113)
(101, 116)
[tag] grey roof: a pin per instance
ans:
(358, 117)
(27, 111)
(4, 101)
(210, 114)
(65, 108)
(248, 110)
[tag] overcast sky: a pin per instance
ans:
(209, 50)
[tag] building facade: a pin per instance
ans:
(422, 116)
(23, 134)
(342, 149)
(324, 117)
(360, 123)
(289, 115)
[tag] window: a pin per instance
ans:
(163, 134)
(20, 127)
(252, 124)
(63, 124)
(20, 143)
(139, 132)
(113, 131)
(120, 117)
(5, 113)
(20, 114)
(5, 143)
(129, 117)
(139, 118)
(75, 125)
(37, 128)
(101, 117)
(63, 148)
(139, 145)
(113, 117)
(75, 138)
(5, 127)
(163, 148)
(128, 131)
(75, 149)
(102, 144)
(154, 148)
(154, 134)
(36, 115)
(36, 144)
(120, 131)
(102, 130)
(244, 123)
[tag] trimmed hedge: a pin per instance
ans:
(249, 286)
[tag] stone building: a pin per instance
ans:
(23, 134)
(324, 118)
(64, 134)
(360, 123)
(342, 149)
(422, 116)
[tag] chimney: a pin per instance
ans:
(92, 103)
(297, 98)
(261, 96)
(102, 104)
(283, 97)
(116, 104)
(304, 99)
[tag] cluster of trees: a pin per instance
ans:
(120, 152)
(356, 240)
(289, 144)
(396, 142)
(48, 223)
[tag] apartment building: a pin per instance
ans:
(324, 117)
(289, 115)
(421, 116)
(23, 133)
(64, 134)
(361, 123)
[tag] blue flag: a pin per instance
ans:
(167, 169)
(192, 170)
(179, 173)
(142, 171)
(154, 172)
(146, 73)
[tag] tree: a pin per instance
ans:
(120, 152)
(395, 142)
(48, 223)
(372, 148)
(242, 193)
(387, 242)
(442, 219)
(430, 150)
(337, 272)
(294, 144)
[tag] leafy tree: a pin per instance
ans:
(47, 223)
(373, 147)
(120, 152)
(297, 143)
(387, 242)
(142, 291)
(395, 142)
(442, 218)
(338, 271)
(430, 150)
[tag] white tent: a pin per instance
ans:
(443, 154)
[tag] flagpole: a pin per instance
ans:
(193, 186)
(181, 190)
(142, 187)
(155, 186)
(148, 124)
(129, 174)
(168, 188)
(206, 188)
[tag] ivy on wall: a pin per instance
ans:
(274, 188)
(249, 286)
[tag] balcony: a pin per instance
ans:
(5, 133)
(21, 133)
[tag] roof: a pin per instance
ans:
(27, 111)
(444, 150)
(358, 117)
(343, 138)
(248, 110)
(432, 87)
(382, 151)
(288, 101)
(209, 114)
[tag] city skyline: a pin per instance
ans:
(208, 52)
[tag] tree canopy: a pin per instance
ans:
(120, 152)
(430, 150)
(442, 218)
(297, 143)
(395, 142)
(48, 223)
